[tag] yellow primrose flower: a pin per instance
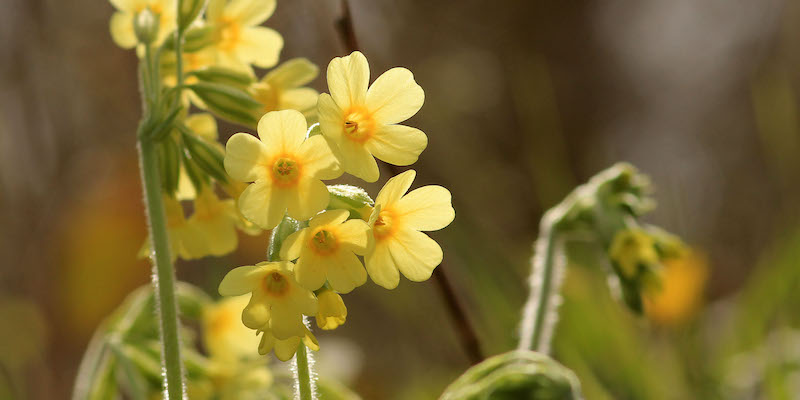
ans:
(396, 223)
(285, 167)
(216, 220)
(185, 240)
(122, 21)
(239, 40)
(681, 291)
(277, 301)
(226, 337)
(285, 348)
(327, 251)
(280, 89)
(363, 123)
(332, 311)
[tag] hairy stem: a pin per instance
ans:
(302, 374)
(164, 272)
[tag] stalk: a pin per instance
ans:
(302, 374)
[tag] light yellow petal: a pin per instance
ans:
(256, 314)
(397, 144)
(285, 321)
(381, 267)
(415, 254)
(301, 99)
(428, 208)
(203, 124)
(244, 158)
(331, 118)
(190, 243)
(347, 273)
(121, 27)
(318, 160)
(260, 46)
(241, 280)
(267, 343)
(310, 198)
(292, 73)
(263, 204)
(285, 349)
(293, 245)
(354, 235)
(303, 300)
(311, 270)
(311, 341)
(250, 12)
(332, 311)
(356, 160)
(220, 235)
(215, 10)
(282, 131)
(330, 217)
(395, 188)
(127, 5)
(395, 96)
(348, 78)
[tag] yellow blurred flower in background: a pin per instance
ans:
(683, 280)
(396, 222)
(239, 41)
(362, 123)
(281, 88)
(226, 337)
(286, 169)
(121, 24)
(332, 311)
(185, 240)
(216, 220)
(327, 250)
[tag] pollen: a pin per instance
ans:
(285, 171)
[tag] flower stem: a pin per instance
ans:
(540, 312)
(164, 272)
(302, 374)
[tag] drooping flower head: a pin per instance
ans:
(327, 251)
(277, 302)
(396, 222)
(281, 88)
(332, 312)
(363, 122)
(285, 348)
(285, 168)
(239, 41)
(121, 24)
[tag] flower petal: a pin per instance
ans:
(330, 217)
(358, 161)
(267, 343)
(282, 131)
(292, 245)
(381, 267)
(121, 26)
(395, 96)
(256, 314)
(241, 280)
(260, 46)
(318, 159)
(354, 235)
(347, 273)
(300, 99)
(348, 78)
(203, 124)
(292, 73)
(310, 197)
(285, 349)
(244, 158)
(331, 118)
(415, 254)
(285, 321)
(428, 208)
(263, 204)
(395, 188)
(250, 12)
(303, 300)
(397, 144)
(310, 271)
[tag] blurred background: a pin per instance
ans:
(524, 100)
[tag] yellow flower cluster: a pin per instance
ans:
(285, 167)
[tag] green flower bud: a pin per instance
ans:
(515, 375)
(228, 102)
(169, 160)
(207, 156)
(188, 12)
(223, 76)
(145, 26)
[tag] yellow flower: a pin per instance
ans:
(680, 292)
(327, 251)
(226, 337)
(362, 122)
(396, 224)
(185, 240)
(285, 167)
(239, 40)
(631, 248)
(332, 311)
(285, 348)
(277, 302)
(122, 21)
(216, 221)
(281, 89)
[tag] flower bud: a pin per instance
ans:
(145, 26)
(207, 156)
(515, 375)
(189, 11)
(227, 102)
(169, 158)
(332, 311)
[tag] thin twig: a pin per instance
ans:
(466, 332)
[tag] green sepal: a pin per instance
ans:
(314, 130)
(351, 198)
(206, 156)
(169, 162)
(228, 102)
(188, 12)
(223, 76)
(196, 174)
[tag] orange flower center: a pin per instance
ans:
(229, 33)
(359, 125)
(385, 225)
(275, 284)
(285, 171)
(266, 95)
(323, 242)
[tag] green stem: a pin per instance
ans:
(164, 274)
(303, 374)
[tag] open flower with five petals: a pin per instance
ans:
(327, 250)
(396, 222)
(286, 169)
(277, 302)
(239, 40)
(364, 122)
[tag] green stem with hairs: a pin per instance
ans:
(303, 374)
